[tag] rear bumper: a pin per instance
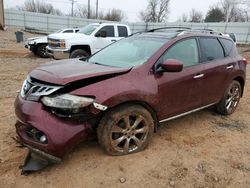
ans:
(62, 135)
(58, 53)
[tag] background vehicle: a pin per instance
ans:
(38, 44)
(124, 94)
(89, 40)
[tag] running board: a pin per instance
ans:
(186, 113)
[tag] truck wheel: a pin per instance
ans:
(78, 53)
(230, 100)
(125, 129)
(41, 51)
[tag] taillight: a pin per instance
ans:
(244, 61)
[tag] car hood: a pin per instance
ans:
(35, 38)
(67, 71)
(66, 35)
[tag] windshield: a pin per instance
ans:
(87, 30)
(128, 52)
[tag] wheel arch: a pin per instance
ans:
(82, 47)
(146, 106)
(242, 83)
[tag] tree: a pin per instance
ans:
(184, 17)
(39, 6)
(114, 15)
(214, 14)
(196, 16)
(156, 11)
(82, 11)
(235, 10)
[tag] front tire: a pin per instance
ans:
(41, 51)
(230, 100)
(126, 129)
(78, 53)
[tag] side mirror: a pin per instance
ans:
(172, 65)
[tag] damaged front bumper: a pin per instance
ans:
(36, 159)
(47, 136)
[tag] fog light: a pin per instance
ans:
(43, 139)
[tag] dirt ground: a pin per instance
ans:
(197, 151)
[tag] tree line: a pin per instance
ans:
(156, 11)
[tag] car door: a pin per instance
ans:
(180, 92)
(216, 68)
(101, 42)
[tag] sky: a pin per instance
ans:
(130, 7)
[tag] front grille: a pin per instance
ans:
(54, 43)
(33, 90)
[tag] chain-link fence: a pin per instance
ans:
(50, 23)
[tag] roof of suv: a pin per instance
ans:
(173, 32)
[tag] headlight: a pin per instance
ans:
(67, 101)
(62, 43)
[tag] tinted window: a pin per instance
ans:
(109, 30)
(227, 45)
(68, 31)
(185, 51)
(211, 49)
(122, 30)
(77, 30)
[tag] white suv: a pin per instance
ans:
(38, 44)
(89, 40)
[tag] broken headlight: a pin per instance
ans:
(67, 101)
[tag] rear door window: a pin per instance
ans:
(211, 49)
(185, 51)
(227, 45)
(122, 31)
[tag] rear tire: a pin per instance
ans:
(126, 129)
(78, 53)
(41, 51)
(230, 100)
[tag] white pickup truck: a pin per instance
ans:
(89, 40)
(38, 44)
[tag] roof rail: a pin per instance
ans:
(170, 27)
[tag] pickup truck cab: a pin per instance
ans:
(89, 40)
(38, 44)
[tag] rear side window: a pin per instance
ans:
(211, 49)
(227, 45)
(68, 31)
(185, 51)
(122, 30)
(109, 30)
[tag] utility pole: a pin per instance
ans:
(96, 11)
(2, 24)
(88, 9)
(72, 7)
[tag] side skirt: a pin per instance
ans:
(186, 113)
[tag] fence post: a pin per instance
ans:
(248, 32)
(48, 23)
(225, 29)
(24, 19)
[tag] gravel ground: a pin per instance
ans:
(200, 150)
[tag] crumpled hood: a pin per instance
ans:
(70, 70)
(66, 36)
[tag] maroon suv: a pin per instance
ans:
(124, 91)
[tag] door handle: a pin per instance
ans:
(230, 67)
(198, 76)
(113, 40)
